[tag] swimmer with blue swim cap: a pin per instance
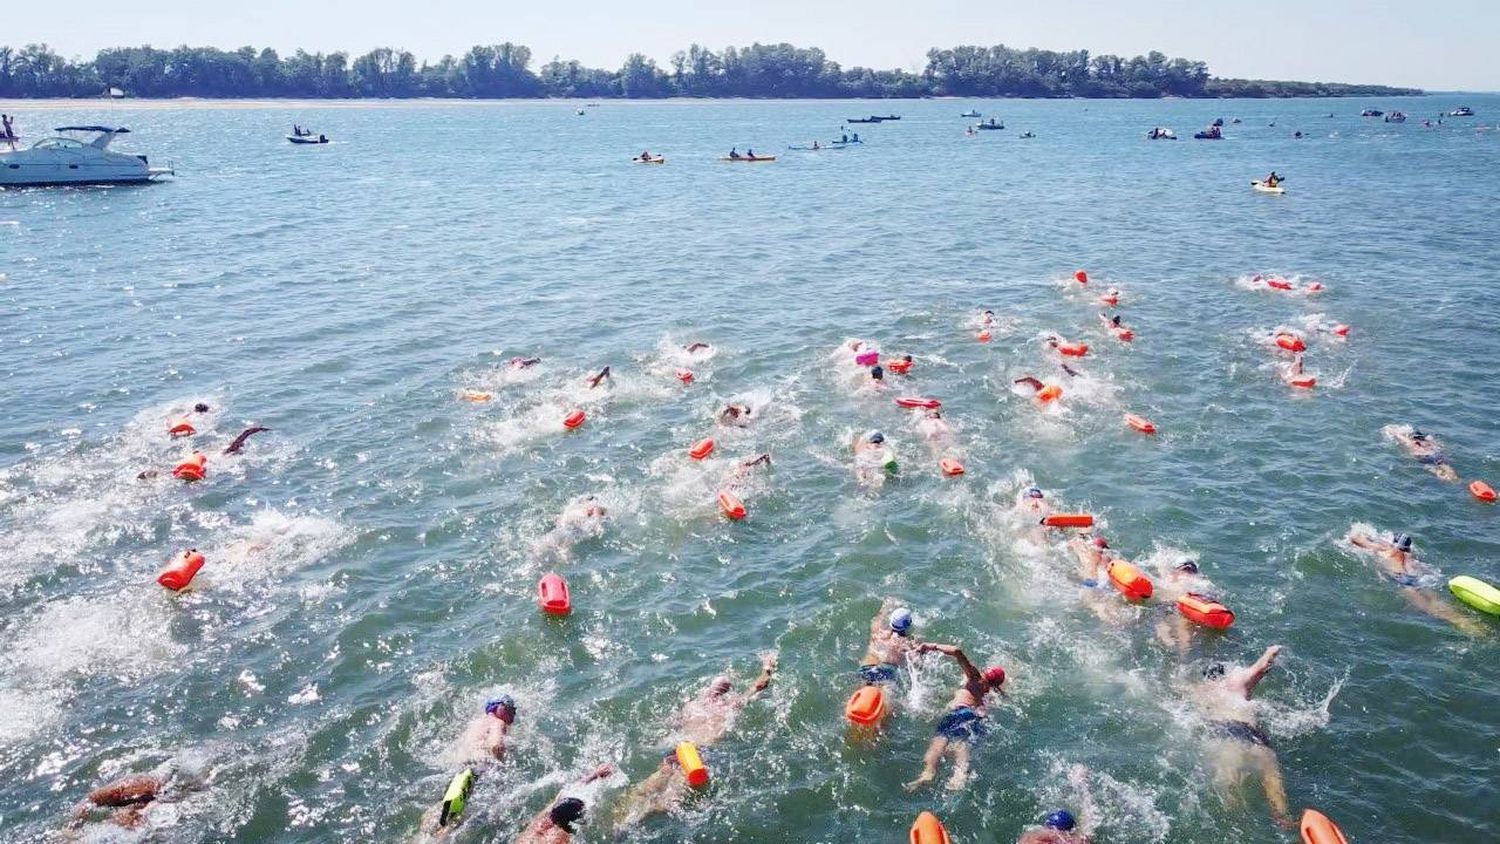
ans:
(1059, 827)
(890, 643)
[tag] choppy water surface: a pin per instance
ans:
(372, 560)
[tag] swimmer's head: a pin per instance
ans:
(875, 437)
(1115, 320)
(1402, 541)
(906, 358)
(989, 313)
(719, 686)
(502, 707)
(901, 621)
(1061, 820)
(934, 413)
(1416, 434)
(1214, 671)
(1189, 566)
(1101, 542)
(566, 813)
(200, 407)
(877, 372)
(1034, 492)
(994, 677)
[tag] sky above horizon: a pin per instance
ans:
(1440, 45)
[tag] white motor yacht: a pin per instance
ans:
(68, 161)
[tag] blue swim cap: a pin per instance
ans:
(1402, 541)
(875, 437)
(1061, 819)
(1034, 492)
(505, 702)
(901, 620)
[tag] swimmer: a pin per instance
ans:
(967, 718)
(582, 518)
(987, 319)
(870, 457)
(1399, 564)
(1033, 504)
(602, 376)
(1173, 629)
(877, 377)
(1111, 297)
(736, 415)
(200, 407)
(1427, 452)
(702, 721)
(130, 799)
(1114, 324)
(484, 739)
(694, 348)
(557, 823)
(1240, 745)
(239, 441)
(1034, 383)
(1094, 556)
(524, 363)
(933, 427)
(1057, 828)
(742, 471)
(890, 642)
(1071, 371)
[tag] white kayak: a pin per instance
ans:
(1265, 188)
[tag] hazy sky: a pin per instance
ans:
(1439, 44)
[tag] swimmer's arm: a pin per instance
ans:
(970, 672)
(1260, 669)
(767, 668)
(1363, 541)
(599, 773)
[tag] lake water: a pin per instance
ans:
(373, 559)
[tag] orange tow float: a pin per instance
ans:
(1140, 423)
(866, 707)
(928, 830)
(702, 448)
(1131, 582)
(691, 761)
(1069, 520)
(1200, 609)
(181, 428)
(573, 420)
(181, 570)
(951, 467)
(553, 595)
(1318, 829)
(731, 506)
(193, 468)
(1482, 491)
(1290, 342)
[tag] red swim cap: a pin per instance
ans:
(1101, 542)
(994, 675)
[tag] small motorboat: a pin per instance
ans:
(990, 125)
(1461, 111)
(1396, 117)
(1027, 135)
(308, 138)
(1212, 133)
(864, 120)
(652, 159)
(1265, 188)
(970, 113)
(1161, 133)
(68, 161)
(888, 117)
(1372, 112)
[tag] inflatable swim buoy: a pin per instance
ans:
(702, 448)
(983, 336)
(181, 428)
(553, 595)
(1200, 609)
(685, 376)
(1315, 287)
(868, 358)
(692, 764)
(476, 395)
(1341, 330)
(1112, 301)
(1140, 423)
(1278, 284)
(1476, 593)
(951, 467)
(193, 468)
(1291, 342)
(1069, 520)
(1482, 491)
(181, 570)
(1305, 382)
(866, 707)
(900, 367)
(456, 796)
(1081, 277)
(1049, 393)
(1124, 335)
(1318, 829)
(918, 401)
(928, 830)
(1073, 350)
(573, 420)
(731, 506)
(1131, 582)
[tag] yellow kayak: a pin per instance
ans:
(655, 159)
(1265, 188)
(756, 160)
(1476, 593)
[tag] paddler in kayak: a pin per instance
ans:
(734, 154)
(1398, 563)
(1272, 180)
(1240, 745)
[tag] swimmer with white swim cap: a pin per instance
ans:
(559, 822)
(1181, 578)
(966, 720)
(890, 643)
(1241, 745)
(702, 721)
(1398, 563)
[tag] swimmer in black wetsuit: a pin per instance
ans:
(1240, 744)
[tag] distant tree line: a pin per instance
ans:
(504, 70)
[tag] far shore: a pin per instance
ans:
(202, 103)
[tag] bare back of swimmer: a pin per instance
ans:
(890, 643)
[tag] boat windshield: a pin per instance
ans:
(58, 143)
